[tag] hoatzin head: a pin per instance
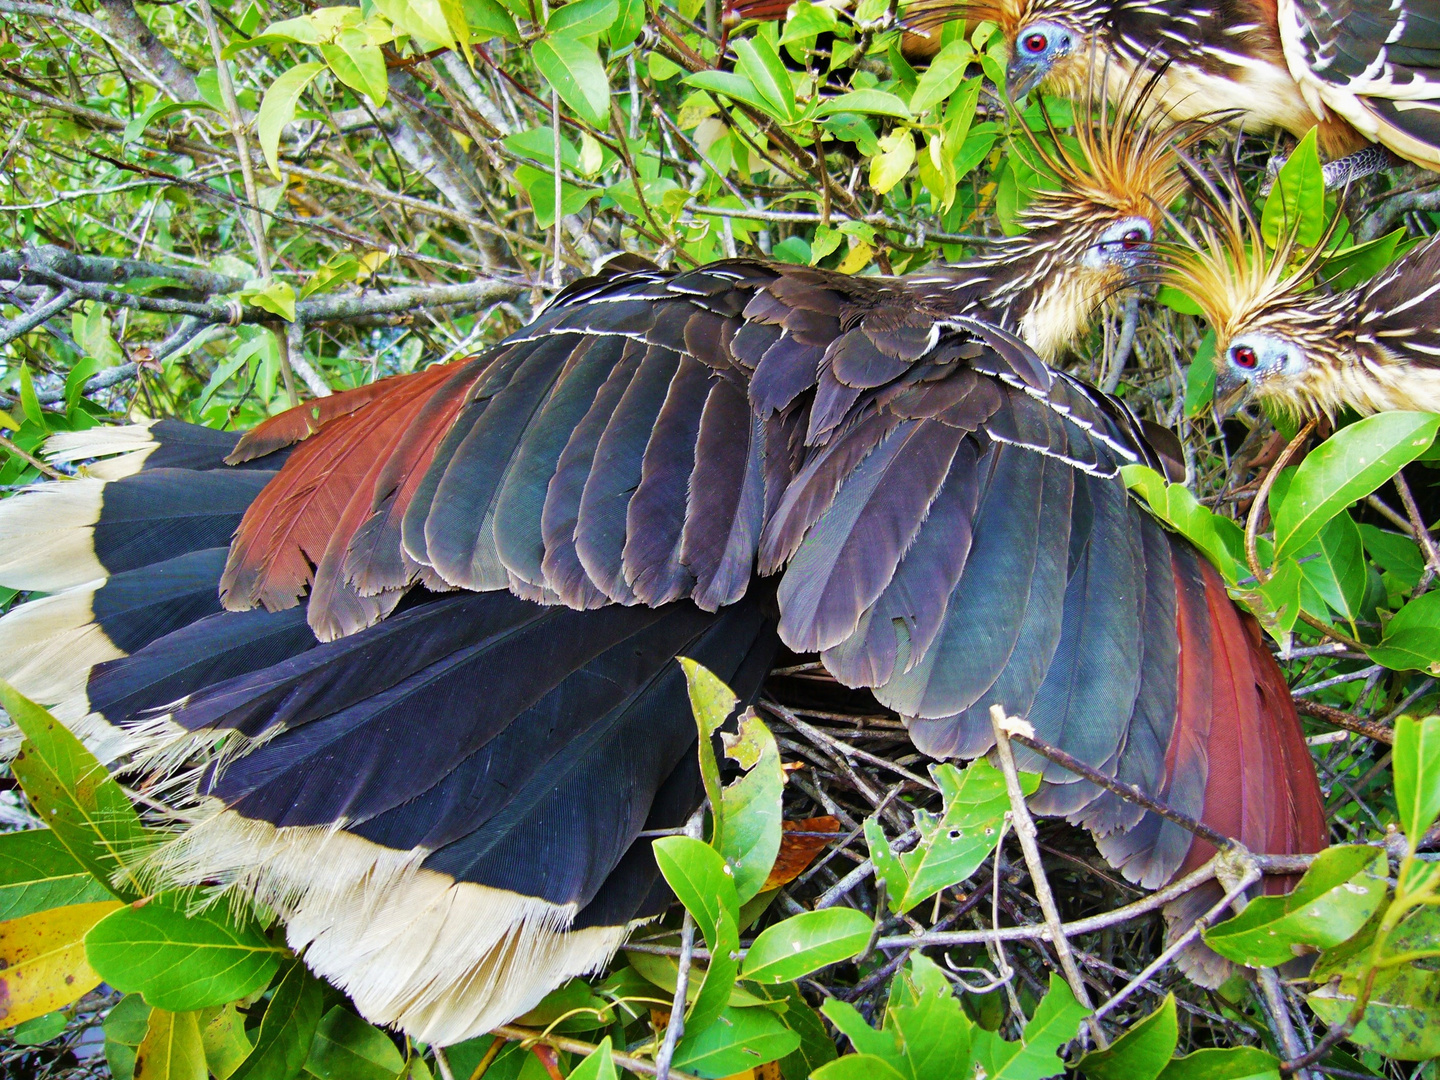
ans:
(1284, 339)
(1093, 235)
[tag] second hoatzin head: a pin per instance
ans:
(1090, 237)
(1286, 340)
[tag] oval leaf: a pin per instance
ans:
(1348, 466)
(42, 960)
(700, 878)
(1339, 892)
(278, 109)
(181, 963)
(806, 943)
(572, 67)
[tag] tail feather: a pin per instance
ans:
(446, 916)
(115, 452)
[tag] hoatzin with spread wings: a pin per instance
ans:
(1363, 71)
(426, 698)
(1312, 351)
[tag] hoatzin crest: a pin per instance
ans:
(410, 650)
(1307, 350)
(1363, 71)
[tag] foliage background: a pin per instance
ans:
(305, 199)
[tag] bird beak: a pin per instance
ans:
(1021, 78)
(1230, 394)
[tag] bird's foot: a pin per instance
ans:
(1340, 172)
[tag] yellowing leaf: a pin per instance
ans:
(43, 957)
(897, 154)
(172, 1049)
(278, 109)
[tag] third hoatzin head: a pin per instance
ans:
(1091, 236)
(1367, 71)
(1284, 339)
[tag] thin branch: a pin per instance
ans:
(1025, 831)
(31, 319)
(575, 1046)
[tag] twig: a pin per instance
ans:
(255, 226)
(1128, 792)
(1250, 877)
(575, 1046)
(1025, 830)
(1284, 1027)
(1130, 317)
(27, 322)
(1344, 720)
(31, 459)
(1421, 533)
(1252, 523)
(676, 1027)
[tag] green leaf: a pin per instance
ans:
(629, 21)
(1237, 1063)
(890, 166)
(928, 1022)
(1348, 466)
(739, 1039)
(871, 102)
(1220, 538)
(75, 795)
(1402, 1017)
(1334, 564)
(757, 60)
(222, 1032)
(347, 1048)
(597, 1065)
(1033, 1057)
(423, 19)
(1296, 204)
(1200, 379)
(712, 702)
(859, 1067)
(29, 400)
(487, 19)
(1349, 266)
(583, 18)
(953, 844)
(1395, 554)
(806, 943)
(540, 186)
(945, 73)
(37, 872)
(358, 64)
(751, 805)
(1417, 773)
(125, 1028)
(1141, 1053)
(700, 879)
(731, 85)
(278, 109)
(572, 67)
(816, 1047)
(289, 1024)
(172, 1049)
(158, 110)
(1412, 637)
(717, 988)
(276, 297)
(181, 962)
(1339, 892)
(40, 1029)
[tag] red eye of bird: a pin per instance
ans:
(1035, 43)
(1133, 239)
(1244, 356)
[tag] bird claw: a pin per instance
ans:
(1338, 173)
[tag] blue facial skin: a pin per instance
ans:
(1249, 361)
(1126, 244)
(1037, 47)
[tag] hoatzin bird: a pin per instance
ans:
(1364, 71)
(1309, 351)
(412, 646)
